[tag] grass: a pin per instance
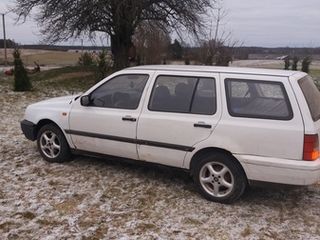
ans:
(315, 73)
(67, 78)
(78, 79)
(73, 79)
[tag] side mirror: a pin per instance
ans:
(85, 100)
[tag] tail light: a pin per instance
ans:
(311, 147)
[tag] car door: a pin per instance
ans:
(182, 110)
(262, 115)
(108, 124)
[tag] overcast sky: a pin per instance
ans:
(269, 23)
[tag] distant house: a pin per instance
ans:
(282, 57)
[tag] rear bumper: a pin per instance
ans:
(29, 129)
(276, 170)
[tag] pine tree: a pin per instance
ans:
(287, 63)
(295, 62)
(176, 50)
(306, 64)
(21, 79)
(102, 66)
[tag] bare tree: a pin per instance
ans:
(65, 19)
(217, 48)
(151, 43)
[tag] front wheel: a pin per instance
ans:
(220, 178)
(52, 144)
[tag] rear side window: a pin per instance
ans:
(257, 99)
(184, 95)
(312, 95)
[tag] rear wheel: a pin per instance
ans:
(220, 178)
(52, 144)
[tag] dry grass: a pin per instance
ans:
(52, 58)
(107, 199)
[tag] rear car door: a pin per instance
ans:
(262, 116)
(182, 110)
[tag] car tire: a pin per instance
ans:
(52, 144)
(220, 178)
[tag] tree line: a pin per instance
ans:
(120, 19)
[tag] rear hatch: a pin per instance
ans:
(312, 96)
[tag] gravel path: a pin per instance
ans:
(103, 199)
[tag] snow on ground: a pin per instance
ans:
(43, 68)
(256, 63)
(91, 198)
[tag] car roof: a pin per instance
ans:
(196, 68)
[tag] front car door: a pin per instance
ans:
(108, 125)
(182, 110)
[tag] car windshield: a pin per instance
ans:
(312, 96)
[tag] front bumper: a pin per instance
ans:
(29, 129)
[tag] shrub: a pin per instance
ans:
(306, 64)
(85, 59)
(21, 79)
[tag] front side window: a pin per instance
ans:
(122, 91)
(184, 95)
(257, 99)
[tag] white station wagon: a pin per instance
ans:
(227, 126)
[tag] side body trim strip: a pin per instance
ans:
(131, 140)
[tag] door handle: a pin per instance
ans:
(129, 119)
(202, 125)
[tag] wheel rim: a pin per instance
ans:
(216, 179)
(50, 144)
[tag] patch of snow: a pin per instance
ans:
(103, 199)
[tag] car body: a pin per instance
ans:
(234, 124)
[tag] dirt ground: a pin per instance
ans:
(91, 198)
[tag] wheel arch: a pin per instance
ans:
(210, 150)
(44, 122)
(64, 150)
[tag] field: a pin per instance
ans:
(90, 198)
(44, 57)
(53, 59)
(276, 64)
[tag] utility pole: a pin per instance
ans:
(4, 40)
(217, 25)
(81, 45)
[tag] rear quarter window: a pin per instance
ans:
(257, 99)
(312, 96)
